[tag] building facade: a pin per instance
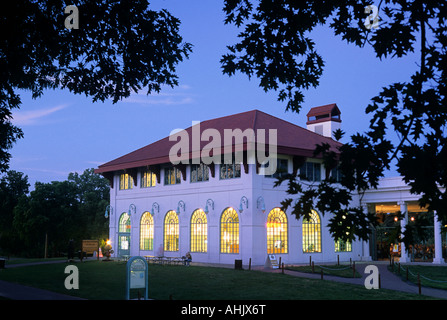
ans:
(226, 209)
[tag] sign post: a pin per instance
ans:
(273, 261)
(89, 247)
(137, 275)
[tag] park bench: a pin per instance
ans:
(165, 260)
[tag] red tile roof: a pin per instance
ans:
(326, 109)
(324, 113)
(291, 140)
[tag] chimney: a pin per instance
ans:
(324, 120)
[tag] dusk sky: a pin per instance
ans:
(69, 133)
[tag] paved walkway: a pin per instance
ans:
(388, 281)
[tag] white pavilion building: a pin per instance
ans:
(228, 209)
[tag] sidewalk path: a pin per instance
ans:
(16, 291)
(388, 279)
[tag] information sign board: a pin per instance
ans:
(89, 247)
(137, 275)
(273, 261)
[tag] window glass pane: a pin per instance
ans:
(199, 172)
(171, 232)
(126, 181)
(124, 223)
(277, 232)
(199, 231)
(311, 171)
(147, 232)
(317, 172)
(281, 168)
(229, 231)
(343, 246)
(230, 171)
(312, 233)
(172, 176)
(147, 179)
(237, 170)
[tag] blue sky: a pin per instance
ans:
(69, 133)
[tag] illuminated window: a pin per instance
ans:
(229, 231)
(147, 232)
(312, 233)
(276, 232)
(172, 176)
(171, 234)
(199, 172)
(124, 223)
(148, 179)
(199, 231)
(126, 181)
(343, 246)
(230, 171)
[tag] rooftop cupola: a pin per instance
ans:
(324, 120)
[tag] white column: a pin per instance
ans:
(403, 223)
(438, 240)
(366, 256)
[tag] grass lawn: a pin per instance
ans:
(30, 260)
(431, 276)
(107, 280)
(333, 270)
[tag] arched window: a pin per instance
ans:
(171, 234)
(229, 231)
(276, 231)
(147, 232)
(124, 223)
(312, 233)
(199, 231)
(124, 234)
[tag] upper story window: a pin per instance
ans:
(281, 168)
(199, 172)
(148, 179)
(126, 181)
(311, 171)
(230, 171)
(336, 174)
(172, 176)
